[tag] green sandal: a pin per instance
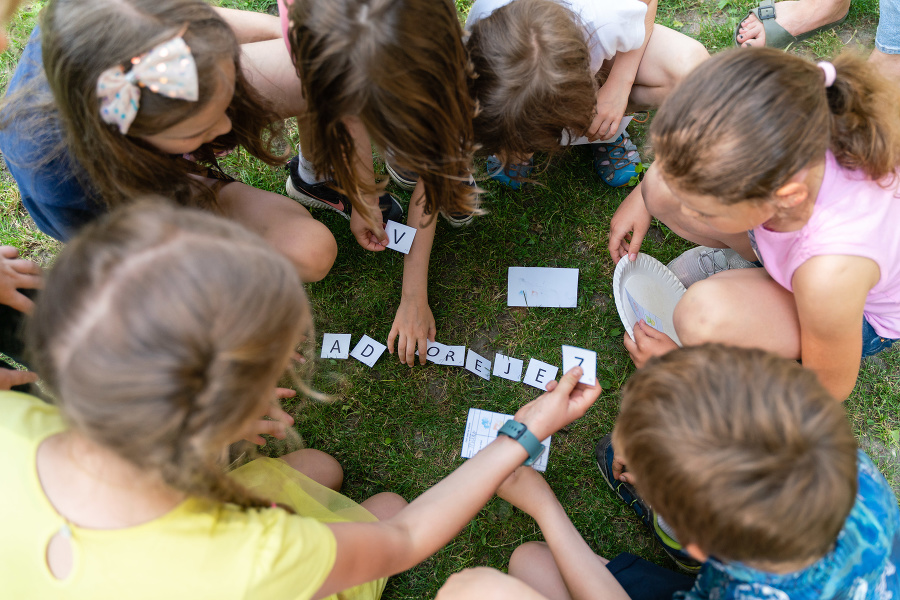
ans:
(776, 35)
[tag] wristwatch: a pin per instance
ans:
(519, 432)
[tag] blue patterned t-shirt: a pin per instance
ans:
(861, 566)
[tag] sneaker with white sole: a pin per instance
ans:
(322, 195)
(701, 262)
(404, 178)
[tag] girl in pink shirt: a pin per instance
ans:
(802, 156)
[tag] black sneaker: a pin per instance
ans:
(604, 455)
(407, 180)
(321, 195)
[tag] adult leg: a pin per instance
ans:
(668, 58)
(665, 206)
(743, 307)
(886, 56)
(319, 466)
(533, 563)
(286, 225)
(797, 17)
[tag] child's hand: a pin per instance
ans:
(619, 472)
(560, 405)
(277, 424)
(9, 378)
(629, 226)
(413, 326)
(18, 273)
(374, 239)
(647, 343)
(611, 104)
(526, 490)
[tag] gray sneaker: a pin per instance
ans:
(702, 262)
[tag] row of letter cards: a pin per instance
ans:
(481, 429)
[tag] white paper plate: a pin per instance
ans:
(652, 286)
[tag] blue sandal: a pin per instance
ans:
(513, 175)
(615, 162)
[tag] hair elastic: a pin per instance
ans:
(168, 69)
(830, 72)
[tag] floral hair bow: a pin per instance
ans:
(168, 69)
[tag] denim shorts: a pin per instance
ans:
(872, 342)
(887, 38)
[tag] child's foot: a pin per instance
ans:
(322, 195)
(701, 262)
(512, 176)
(604, 454)
(616, 162)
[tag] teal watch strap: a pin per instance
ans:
(519, 432)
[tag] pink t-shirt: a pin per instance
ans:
(283, 15)
(852, 216)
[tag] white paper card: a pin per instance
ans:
(400, 237)
(508, 367)
(481, 429)
(478, 365)
(642, 314)
(542, 286)
(440, 354)
(583, 140)
(336, 345)
(368, 351)
(579, 357)
(539, 374)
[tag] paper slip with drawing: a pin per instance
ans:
(542, 286)
(481, 429)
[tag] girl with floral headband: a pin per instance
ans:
(803, 157)
(114, 99)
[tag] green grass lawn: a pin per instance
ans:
(398, 428)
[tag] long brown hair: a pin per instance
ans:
(160, 331)
(533, 78)
(746, 121)
(401, 68)
(83, 38)
(743, 453)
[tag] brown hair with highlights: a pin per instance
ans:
(401, 68)
(161, 331)
(83, 38)
(747, 120)
(742, 452)
(533, 78)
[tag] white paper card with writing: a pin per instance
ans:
(368, 351)
(508, 367)
(579, 357)
(400, 237)
(440, 354)
(481, 429)
(478, 365)
(541, 286)
(643, 314)
(336, 345)
(539, 374)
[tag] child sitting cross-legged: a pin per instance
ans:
(755, 470)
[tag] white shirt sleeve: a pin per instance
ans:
(611, 26)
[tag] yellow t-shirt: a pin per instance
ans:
(198, 550)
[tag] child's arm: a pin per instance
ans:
(581, 569)
(414, 324)
(368, 551)
(830, 293)
(612, 97)
(250, 26)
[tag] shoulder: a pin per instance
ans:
(26, 418)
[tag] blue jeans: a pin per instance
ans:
(872, 342)
(887, 38)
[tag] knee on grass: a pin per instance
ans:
(319, 466)
(312, 250)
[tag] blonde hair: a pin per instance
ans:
(401, 68)
(742, 452)
(533, 78)
(747, 120)
(160, 331)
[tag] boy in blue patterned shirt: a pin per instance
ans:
(754, 467)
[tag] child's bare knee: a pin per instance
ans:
(385, 505)
(701, 313)
(313, 251)
(319, 466)
(525, 557)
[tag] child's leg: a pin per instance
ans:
(533, 563)
(669, 57)
(384, 505)
(286, 225)
(743, 307)
(319, 466)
